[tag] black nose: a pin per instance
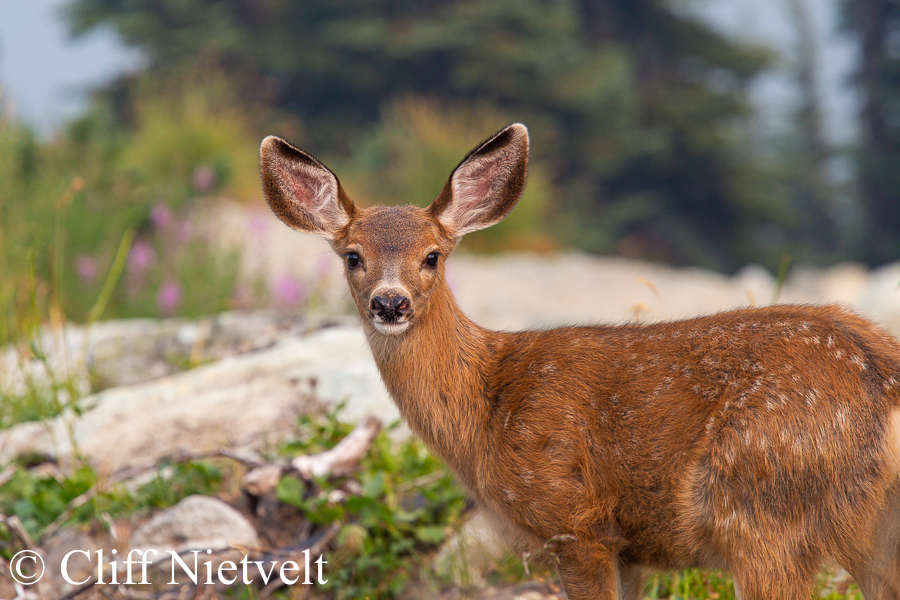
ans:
(389, 309)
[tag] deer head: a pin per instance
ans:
(394, 255)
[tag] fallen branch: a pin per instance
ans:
(340, 461)
(343, 458)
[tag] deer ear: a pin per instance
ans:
(486, 185)
(301, 191)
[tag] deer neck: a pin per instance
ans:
(436, 373)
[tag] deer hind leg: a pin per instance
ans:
(877, 565)
(766, 569)
(763, 582)
(878, 572)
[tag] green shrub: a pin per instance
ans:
(409, 502)
(67, 204)
(40, 499)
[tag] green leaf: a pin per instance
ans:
(291, 491)
(373, 486)
(431, 534)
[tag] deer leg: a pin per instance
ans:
(762, 581)
(631, 582)
(878, 575)
(589, 570)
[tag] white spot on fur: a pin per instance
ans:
(841, 418)
(811, 397)
(527, 477)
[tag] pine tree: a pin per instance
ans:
(877, 25)
(636, 106)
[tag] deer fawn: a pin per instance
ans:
(761, 440)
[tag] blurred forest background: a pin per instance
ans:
(644, 141)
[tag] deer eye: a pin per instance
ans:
(432, 259)
(352, 260)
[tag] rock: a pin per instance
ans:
(844, 283)
(119, 353)
(757, 283)
(202, 532)
(79, 566)
(196, 523)
(262, 480)
(246, 400)
(881, 298)
(511, 291)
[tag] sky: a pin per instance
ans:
(45, 75)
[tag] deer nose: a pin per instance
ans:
(389, 309)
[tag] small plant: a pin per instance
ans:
(690, 584)
(408, 502)
(39, 499)
(44, 500)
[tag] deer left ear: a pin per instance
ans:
(486, 185)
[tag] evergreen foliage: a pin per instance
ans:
(877, 26)
(638, 112)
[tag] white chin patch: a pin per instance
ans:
(391, 328)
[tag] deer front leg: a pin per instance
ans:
(631, 581)
(589, 569)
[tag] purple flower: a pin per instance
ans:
(287, 290)
(140, 258)
(204, 179)
(161, 216)
(169, 297)
(86, 268)
(184, 233)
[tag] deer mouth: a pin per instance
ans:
(390, 327)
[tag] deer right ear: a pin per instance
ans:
(301, 191)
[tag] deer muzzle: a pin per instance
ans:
(390, 314)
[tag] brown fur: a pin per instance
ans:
(763, 440)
